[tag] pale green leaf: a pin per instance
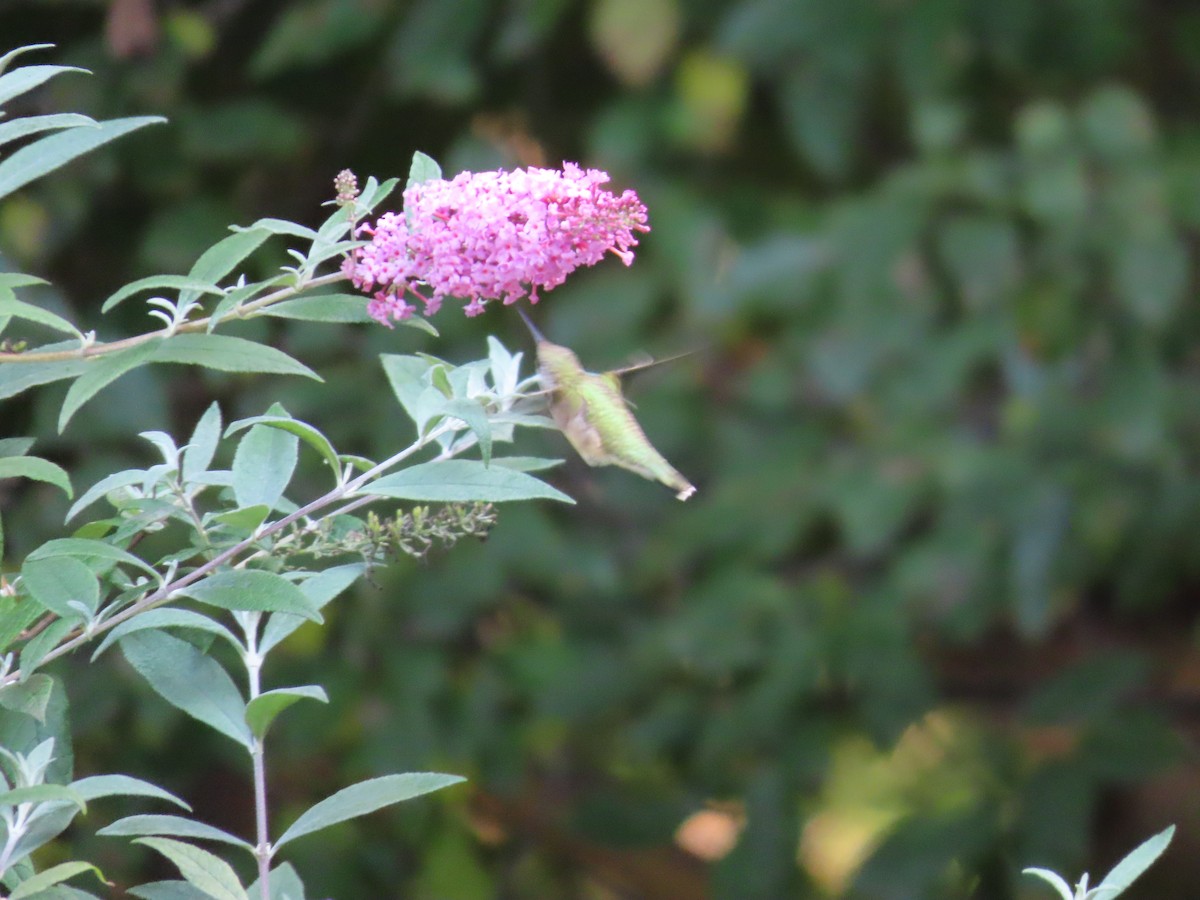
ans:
(36, 469)
(95, 786)
(1136, 862)
(302, 430)
(252, 590)
(170, 826)
(209, 873)
(11, 131)
(263, 465)
(462, 481)
(229, 354)
(49, 153)
(158, 283)
(48, 877)
(262, 710)
(189, 680)
(365, 797)
(55, 582)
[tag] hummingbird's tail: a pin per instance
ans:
(533, 329)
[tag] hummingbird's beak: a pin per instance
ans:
(533, 329)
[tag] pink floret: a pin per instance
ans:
(492, 236)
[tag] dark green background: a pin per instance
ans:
(930, 617)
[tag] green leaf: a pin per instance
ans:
(95, 786)
(198, 454)
(44, 642)
(16, 377)
(229, 354)
(158, 283)
(263, 465)
(103, 487)
(285, 884)
(302, 430)
(42, 793)
(13, 54)
(31, 697)
(19, 309)
(55, 582)
(91, 551)
(170, 826)
(11, 131)
(222, 257)
(209, 873)
(252, 590)
(472, 413)
(15, 446)
(320, 589)
(1055, 880)
(244, 521)
(36, 469)
(26, 78)
(526, 463)
(1136, 862)
(49, 153)
(52, 876)
(262, 710)
(167, 618)
(278, 226)
(423, 168)
(462, 481)
(189, 680)
(365, 797)
(345, 308)
(168, 890)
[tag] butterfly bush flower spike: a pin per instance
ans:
(492, 236)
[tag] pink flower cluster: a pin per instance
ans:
(491, 236)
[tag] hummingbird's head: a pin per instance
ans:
(558, 363)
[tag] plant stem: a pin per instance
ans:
(103, 349)
(258, 757)
(164, 593)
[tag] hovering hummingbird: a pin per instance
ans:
(590, 410)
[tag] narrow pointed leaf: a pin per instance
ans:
(31, 697)
(263, 466)
(166, 618)
(35, 160)
(302, 430)
(1136, 862)
(462, 481)
(319, 589)
(159, 283)
(170, 826)
(26, 78)
(365, 797)
(48, 877)
(55, 582)
(285, 884)
(11, 131)
(1055, 880)
(189, 680)
(19, 309)
(262, 710)
(229, 354)
(209, 873)
(168, 890)
(36, 469)
(43, 793)
(94, 786)
(252, 590)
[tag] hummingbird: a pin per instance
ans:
(590, 410)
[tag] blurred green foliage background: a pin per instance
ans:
(931, 616)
